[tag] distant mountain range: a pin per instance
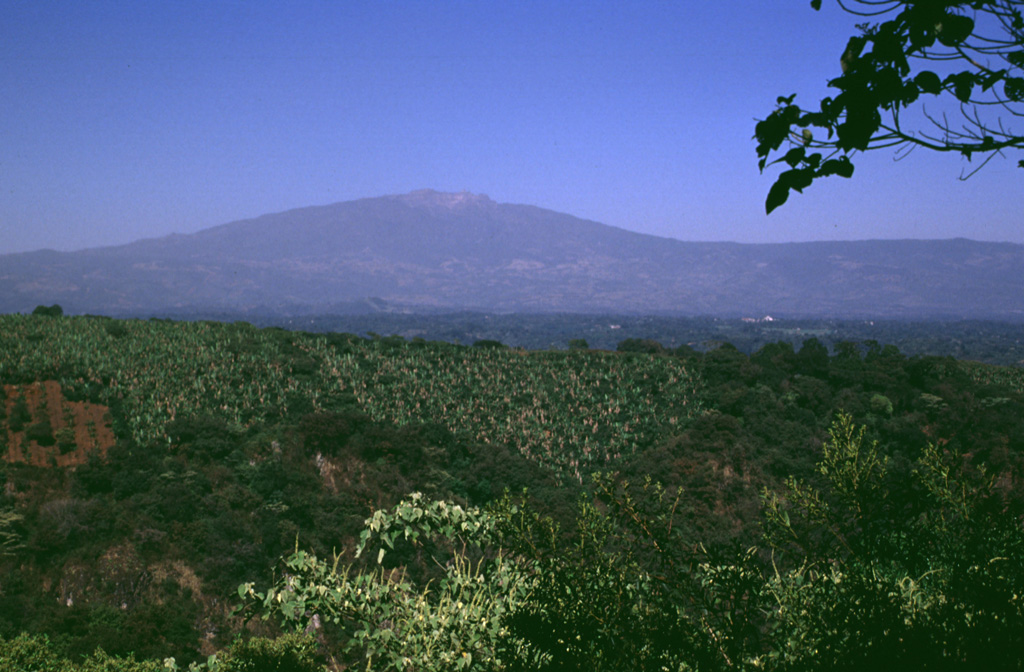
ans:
(430, 251)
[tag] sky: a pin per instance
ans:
(124, 120)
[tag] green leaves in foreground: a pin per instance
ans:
(854, 574)
(933, 582)
(455, 623)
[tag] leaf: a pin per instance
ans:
(777, 195)
(888, 87)
(773, 131)
(852, 51)
(799, 179)
(928, 82)
(990, 79)
(1016, 58)
(861, 123)
(954, 29)
(841, 167)
(1014, 89)
(794, 156)
(963, 84)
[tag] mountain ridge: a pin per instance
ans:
(430, 250)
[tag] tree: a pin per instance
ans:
(49, 311)
(873, 579)
(11, 536)
(977, 51)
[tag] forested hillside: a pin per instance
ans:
(422, 505)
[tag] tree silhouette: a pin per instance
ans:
(49, 311)
(964, 58)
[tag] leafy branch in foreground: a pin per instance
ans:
(455, 622)
(967, 56)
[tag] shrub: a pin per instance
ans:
(42, 433)
(48, 311)
(20, 415)
(30, 653)
(641, 345)
(65, 439)
(289, 653)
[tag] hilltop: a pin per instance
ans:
(438, 252)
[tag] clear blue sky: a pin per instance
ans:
(124, 120)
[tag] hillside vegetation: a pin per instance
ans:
(423, 505)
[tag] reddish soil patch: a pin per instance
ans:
(89, 422)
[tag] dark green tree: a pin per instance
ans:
(886, 78)
(48, 311)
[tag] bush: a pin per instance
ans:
(66, 440)
(641, 345)
(48, 311)
(102, 662)
(289, 653)
(20, 415)
(42, 433)
(35, 653)
(205, 437)
(31, 653)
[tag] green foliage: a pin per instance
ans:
(41, 432)
(933, 587)
(643, 345)
(20, 415)
(160, 371)
(881, 404)
(897, 515)
(572, 412)
(99, 661)
(288, 653)
(11, 532)
(454, 623)
(65, 438)
(48, 311)
(28, 653)
(604, 597)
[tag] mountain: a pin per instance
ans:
(430, 251)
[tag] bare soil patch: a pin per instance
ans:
(90, 425)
